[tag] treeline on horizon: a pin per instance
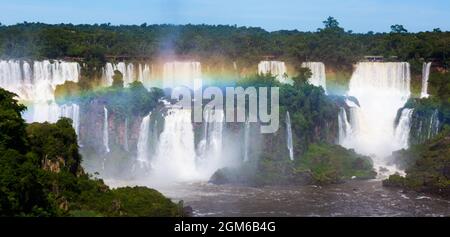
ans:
(331, 44)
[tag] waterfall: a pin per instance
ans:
(381, 89)
(290, 145)
(425, 75)
(105, 130)
(126, 135)
(210, 146)
(71, 111)
(403, 128)
(35, 83)
(345, 129)
(128, 70)
(433, 125)
(181, 74)
(318, 77)
(246, 140)
(274, 68)
(143, 142)
(144, 73)
(424, 125)
(175, 156)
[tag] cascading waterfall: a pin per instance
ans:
(403, 128)
(144, 73)
(210, 147)
(182, 74)
(275, 68)
(345, 129)
(143, 142)
(71, 111)
(246, 140)
(35, 84)
(425, 75)
(106, 130)
(126, 135)
(381, 89)
(290, 145)
(434, 124)
(318, 77)
(175, 156)
(130, 73)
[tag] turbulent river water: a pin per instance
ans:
(354, 198)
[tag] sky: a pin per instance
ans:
(356, 15)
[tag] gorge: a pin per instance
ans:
(164, 147)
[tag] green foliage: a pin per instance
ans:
(333, 163)
(245, 45)
(398, 29)
(53, 141)
(440, 86)
(321, 164)
(331, 23)
(117, 79)
(69, 89)
(427, 166)
(134, 99)
(311, 112)
(12, 126)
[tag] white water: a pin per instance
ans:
(126, 135)
(175, 156)
(290, 145)
(178, 74)
(71, 111)
(246, 140)
(318, 77)
(274, 68)
(105, 130)
(38, 81)
(434, 125)
(425, 75)
(35, 83)
(210, 147)
(129, 71)
(345, 128)
(381, 89)
(143, 142)
(403, 128)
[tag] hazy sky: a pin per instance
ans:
(356, 15)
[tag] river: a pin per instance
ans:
(353, 198)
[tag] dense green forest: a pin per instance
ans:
(331, 44)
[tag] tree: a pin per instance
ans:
(303, 75)
(398, 29)
(117, 79)
(331, 22)
(12, 126)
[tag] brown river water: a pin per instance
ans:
(354, 198)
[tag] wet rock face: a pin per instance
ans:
(121, 134)
(91, 126)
